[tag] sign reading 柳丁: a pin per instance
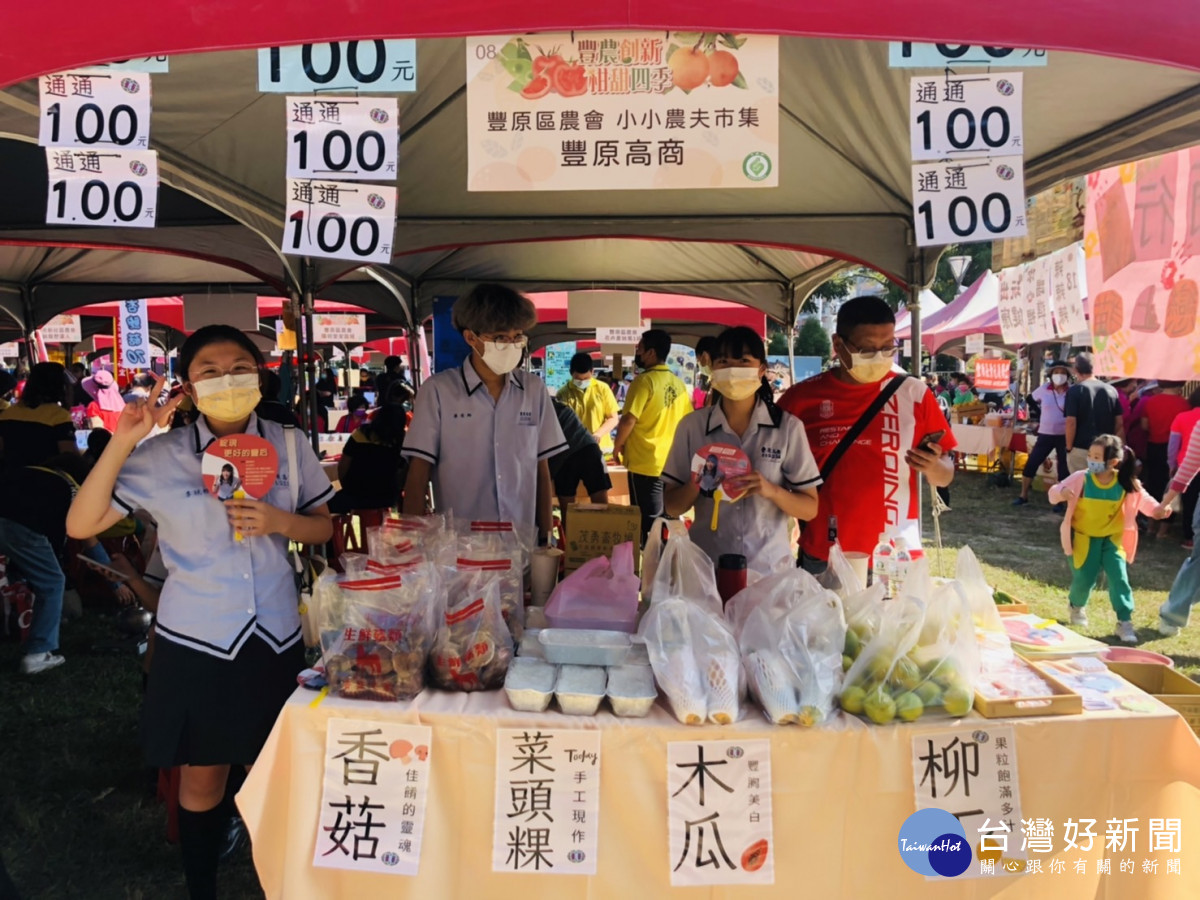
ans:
(965, 116)
(992, 374)
(967, 200)
(133, 334)
(381, 66)
(64, 329)
(622, 110)
(547, 801)
(1142, 243)
(94, 108)
(373, 800)
(913, 55)
(972, 774)
(719, 811)
(339, 328)
(340, 220)
(102, 187)
(342, 137)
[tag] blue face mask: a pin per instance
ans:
(1096, 467)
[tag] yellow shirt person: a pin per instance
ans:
(592, 400)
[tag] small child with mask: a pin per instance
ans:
(1099, 531)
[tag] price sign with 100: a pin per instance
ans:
(342, 137)
(969, 200)
(382, 66)
(340, 220)
(102, 187)
(972, 115)
(94, 108)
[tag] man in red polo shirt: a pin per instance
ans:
(873, 486)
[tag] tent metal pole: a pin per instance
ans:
(791, 337)
(313, 402)
(27, 306)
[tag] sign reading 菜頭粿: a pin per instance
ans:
(339, 328)
(966, 200)
(547, 818)
(342, 137)
(622, 110)
(95, 108)
(719, 812)
(340, 220)
(102, 187)
(373, 801)
(952, 115)
(1142, 244)
(914, 55)
(380, 66)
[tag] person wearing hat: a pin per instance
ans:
(1052, 428)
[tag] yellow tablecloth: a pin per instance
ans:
(840, 796)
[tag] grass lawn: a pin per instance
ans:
(79, 819)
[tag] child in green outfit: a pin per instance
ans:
(1099, 531)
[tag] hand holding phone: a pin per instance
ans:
(932, 438)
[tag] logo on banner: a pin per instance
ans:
(756, 166)
(933, 842)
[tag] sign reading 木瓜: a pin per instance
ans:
(342, 137)
(966, 200)
(340, 220)
(957, 115)
(365, 66)
(622, 110)
(94, 108)
(102, 187)
(547, 819)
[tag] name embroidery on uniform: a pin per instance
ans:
(462, 415)
(771, 453)
(525, 417)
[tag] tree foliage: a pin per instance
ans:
(812, 340)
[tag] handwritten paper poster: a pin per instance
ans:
(719, 810)
(373, 802)
(547, 801)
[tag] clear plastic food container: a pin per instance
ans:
(584, 647)
(638, 656)
(530, 646)
(580, 689)
(530, 684)
(631, 690)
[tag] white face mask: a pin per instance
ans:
(869, 370)
(229, 398)
(1059, 380)
(582, 384)
(501, 360)
(737, 383)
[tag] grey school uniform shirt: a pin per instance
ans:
(484, 452)
(218, 591)
(754, 527)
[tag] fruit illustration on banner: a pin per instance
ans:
(705, 57)
(535, 77)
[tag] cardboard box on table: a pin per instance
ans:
(593, 529)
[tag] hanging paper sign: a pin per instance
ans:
(968, 200)
(340, 220)
(102, 187)
(719, 812)
(720, 466)
(906, 348)
(239, 462)
(381, 66)
(1011, 306)
(1039, 320)
(914, 55)
(63, 329)
(133, 334)
(94, 108)
(975, 343)
(1068, 286)
(971, 775)
(374, 796)
(992, 374)
(153, 65)
(547, 818)
(339, 328)
(342, 137)
(622, 110)
(622, 337)
(958, 116)
(10, 349)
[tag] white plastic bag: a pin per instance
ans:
(652, 552)
(667, 634)
(686, 572)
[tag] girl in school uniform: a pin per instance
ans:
(782, 483)
(229, 643)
